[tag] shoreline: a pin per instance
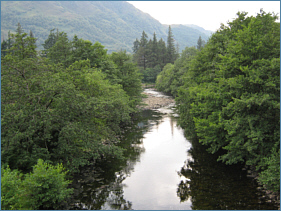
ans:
(154, 102)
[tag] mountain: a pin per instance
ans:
(207, 32)
(115, 24)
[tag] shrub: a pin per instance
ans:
(44, 188)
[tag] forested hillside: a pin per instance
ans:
(228, 94)
(115, 24)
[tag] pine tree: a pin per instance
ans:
(200, 43)
(19, 30)
(162, 52)
(171, 50)
(60, 51)
(142, 51)
(136, 46)
(4, 47)
(154, 52)
(50, 41)
(143, 40)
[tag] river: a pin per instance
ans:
(165, 171)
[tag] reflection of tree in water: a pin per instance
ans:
(213, 185)
(100, 187)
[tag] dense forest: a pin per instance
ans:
(153, 55)
(63, 108)
(66, 106)
(228, 93)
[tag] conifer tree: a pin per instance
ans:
(162, 52)
(171, 49)
(136, 46)
(154, 52)
(200, 43)
(142, 51)
(19, 29)
(50, 41)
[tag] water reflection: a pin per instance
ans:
(153, 184)
(101, 187)
(212, 185)
(164, 171)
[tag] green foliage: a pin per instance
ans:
(170, 79)
(171, 49)
(44, 188)
(66, 114)
(164, 79)
(270, 177)
(50, 41)
(60, 51)
(230, 93)
(151, 56)
(150, 74)
(129, 76)
(12, 190)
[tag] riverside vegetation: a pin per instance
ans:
(228, 94)
(65, 107)
(61, 110)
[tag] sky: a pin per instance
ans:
(207, 14)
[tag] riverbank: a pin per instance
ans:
(155, 101)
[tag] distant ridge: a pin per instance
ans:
(115, 24)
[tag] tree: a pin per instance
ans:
(136, 46)
(4, 48)
(171, 49)
(129, 76)
(44, 188)
(60, 51)
(19, 29)
(171, 78)
(141, 55)
(162, 52)
(50, 41)
(23, 46)
(63, 115)
(153, 52)
(200, 43)
(231, 94)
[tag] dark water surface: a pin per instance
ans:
(165, 171)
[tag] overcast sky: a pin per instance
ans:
(207, 14)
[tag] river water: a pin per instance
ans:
(162, 170)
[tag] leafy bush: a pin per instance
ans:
(11, 190)
(44, 188)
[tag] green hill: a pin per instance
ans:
(115, 24)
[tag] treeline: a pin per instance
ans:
(228, 93)
(63, 108)
(152, 55)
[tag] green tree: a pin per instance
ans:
(141, 56)
(200, 43)
(4, 48)
(60, 51)
(65, 115)
(231, 93)
(153, 52)
(50, 41)
(162, 52)
(136, 45)
(19, 29)
(129, 76)
(23, 46)
(171, 49)
(171, 78)
(44, 188)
